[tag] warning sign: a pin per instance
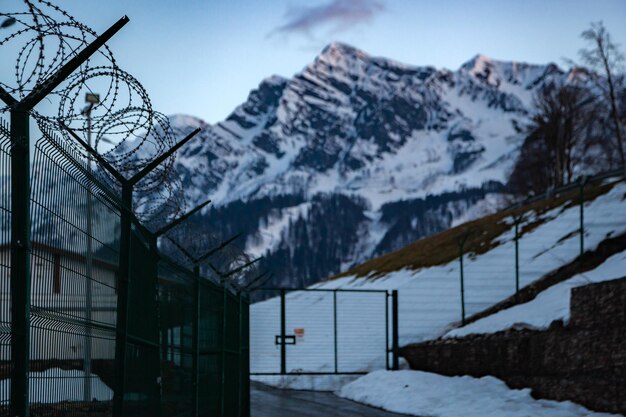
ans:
(299, 332)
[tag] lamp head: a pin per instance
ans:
(92, 98)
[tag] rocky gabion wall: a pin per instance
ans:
(584, 362)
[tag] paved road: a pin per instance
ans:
(272, 402)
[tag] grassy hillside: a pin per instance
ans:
(481, 235)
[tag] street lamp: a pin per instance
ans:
(91, 100)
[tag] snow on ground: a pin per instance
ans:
(425, 394)
(429, 298)
(306, 382)
(552, 304)
(56, 385)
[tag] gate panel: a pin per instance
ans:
(362, 331)
(309, 332)
(325, 332)
(264, 327)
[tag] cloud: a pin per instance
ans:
(338, 14)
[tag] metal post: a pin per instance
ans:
(92, 99)
(517, 221)
(462, 286)
(121, 338)
(582, 217)
(461, 243)
(387, 295)
(196, 340)
(240, 360)
(395, 348)
(335, 328)
(244, 394)
(223, 362)
(283, 332)
(20, 262)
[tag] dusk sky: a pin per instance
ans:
(203, 57)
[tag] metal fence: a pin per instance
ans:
(94, 319)
(324, 331)
(546, 234)
(493, 259)
(158, 339)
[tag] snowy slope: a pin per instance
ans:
(385, 136)
(429, 297)
(550, 305)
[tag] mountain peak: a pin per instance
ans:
(478, 63)
(335, 48)
(337, 52)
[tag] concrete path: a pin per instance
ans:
(272, 402)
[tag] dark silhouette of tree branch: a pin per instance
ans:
(603, 55)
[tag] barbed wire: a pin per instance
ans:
(123, 125)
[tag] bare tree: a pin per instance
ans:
(603, 55)
(557, 134)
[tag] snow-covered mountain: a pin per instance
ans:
(356, 156)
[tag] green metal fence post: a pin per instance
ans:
(121, 336)
(395, 364)
(240, 368)
(20, 262)
(335, 328)
(283, 332)
(245, 355)
(223, 357)
(155, 258)
(196, 339)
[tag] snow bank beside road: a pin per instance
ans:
(58, 385)
(426, 394)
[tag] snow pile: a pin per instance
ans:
(426, 394)
(56, 385)
(550, 305)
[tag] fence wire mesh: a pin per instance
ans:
(175, 307)
(73, 285)
(74, 309)
(93, 321)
